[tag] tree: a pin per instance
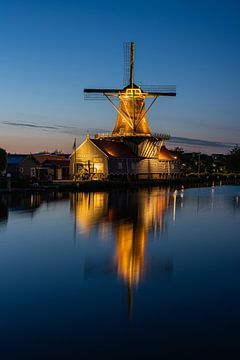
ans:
(178, 151)
(3, 160)
(233, 159)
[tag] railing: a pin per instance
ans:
(110, 135)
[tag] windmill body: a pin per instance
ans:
(132, 118)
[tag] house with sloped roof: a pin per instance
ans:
(53, 166)
(38, 166)
(22, 165)
(111, 158)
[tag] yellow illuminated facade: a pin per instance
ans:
(88, 162)
(132, 118)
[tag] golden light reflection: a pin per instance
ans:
(130, 246)
(174, 204)
(130, 216)
(130, 223)
(89, 208)
(131, 238)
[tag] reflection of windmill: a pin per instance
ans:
(130, 216)
(132, 112)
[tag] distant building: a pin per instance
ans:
(22, 166)
(53, 166)
(38, 166)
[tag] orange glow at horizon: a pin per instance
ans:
(28, 142)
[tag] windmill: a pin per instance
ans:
(132, 111)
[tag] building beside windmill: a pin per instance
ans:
(131, 151)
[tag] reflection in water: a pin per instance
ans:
(131, 216)
(25, 204)
(3, 213)
(174, 204)
(145, 214)
(89, 209)
(30, 202)
(70, 298)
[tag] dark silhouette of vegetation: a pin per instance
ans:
(233, 160)
(3, 160)
(216, 164)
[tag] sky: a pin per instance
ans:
(51, 50)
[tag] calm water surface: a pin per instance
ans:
(149, 273)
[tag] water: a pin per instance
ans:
(148, 273)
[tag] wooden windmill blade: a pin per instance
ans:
(132, 111)
(126, 63)
(99, 94)
(159, 90)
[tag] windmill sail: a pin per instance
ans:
(132, 112)
(126, 63)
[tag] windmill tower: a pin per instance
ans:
(132, 111)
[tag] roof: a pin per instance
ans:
(115, 149)
(50, 157)
(15, 159)
(166, 155)
(57, 162)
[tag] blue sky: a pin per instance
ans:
(51, 50)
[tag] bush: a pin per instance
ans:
(3, 160)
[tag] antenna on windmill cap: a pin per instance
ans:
(132, 64)
(128, 75)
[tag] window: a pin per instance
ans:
(120, 165)
(33, 172)
(98, 167)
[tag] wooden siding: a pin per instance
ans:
(89, 156)
(122, 166)
(142, 166)
(157, 169)
(149, 149)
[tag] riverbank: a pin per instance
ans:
(186, 181)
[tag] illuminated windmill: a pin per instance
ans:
(132, 111)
